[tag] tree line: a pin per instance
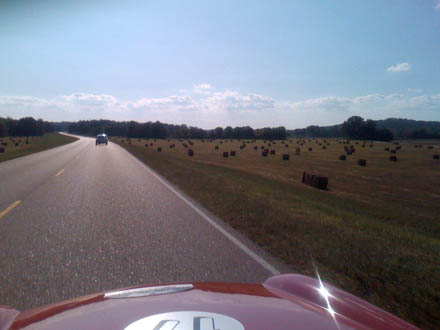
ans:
(411, 129)
(382, 130)
(355, 128)
(158, 130)
(27, 126)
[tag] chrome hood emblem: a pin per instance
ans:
(149, 291)
(186, 320)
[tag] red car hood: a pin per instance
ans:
(281, 302)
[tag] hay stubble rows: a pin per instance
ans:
(374, 232)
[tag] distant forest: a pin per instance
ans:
(160, 130)
(357, 128)
(27, 126)
(353, 128)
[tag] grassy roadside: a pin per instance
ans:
(36, 144)
(390, 264)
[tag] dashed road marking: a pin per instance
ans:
(60, 172)
(9, 208)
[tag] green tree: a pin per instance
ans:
(352, 127)
(3, 128)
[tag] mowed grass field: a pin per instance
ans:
(375, 232)
(13, 147)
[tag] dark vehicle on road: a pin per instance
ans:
(287, 301)
(102, 139)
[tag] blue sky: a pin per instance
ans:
(210, 63)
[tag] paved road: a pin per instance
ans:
(95, 218)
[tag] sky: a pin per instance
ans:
(219, 63)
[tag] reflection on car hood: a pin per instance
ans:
(281, 302)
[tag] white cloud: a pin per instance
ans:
(224, 108)
(437, 7)
(90, 100)
(328, 103)
(415, 90)
(401, 67)
(171, 102)
(202, 88)
(369, 99)
(235, 101)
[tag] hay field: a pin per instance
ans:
(13, 146)
(375, 232)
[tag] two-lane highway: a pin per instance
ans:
(82, 218)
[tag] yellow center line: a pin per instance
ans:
(60, 172)
(9, 208)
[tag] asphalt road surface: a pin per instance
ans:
(81, 219)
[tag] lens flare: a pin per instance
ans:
(326, 295)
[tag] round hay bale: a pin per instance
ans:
(393, 158)
(190, 152)
(255, 148)
(272, 152)
(342, 157)
(264, 153)
(436, 157)
(2, 150)
(159, 149)
(393, 151)
(286, 157)
(387, 149)
(362, 162)
(225, 154)
(216, 148)
(310, 149)
(317, 181)
(232, 153)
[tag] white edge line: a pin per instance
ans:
(234, 240)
